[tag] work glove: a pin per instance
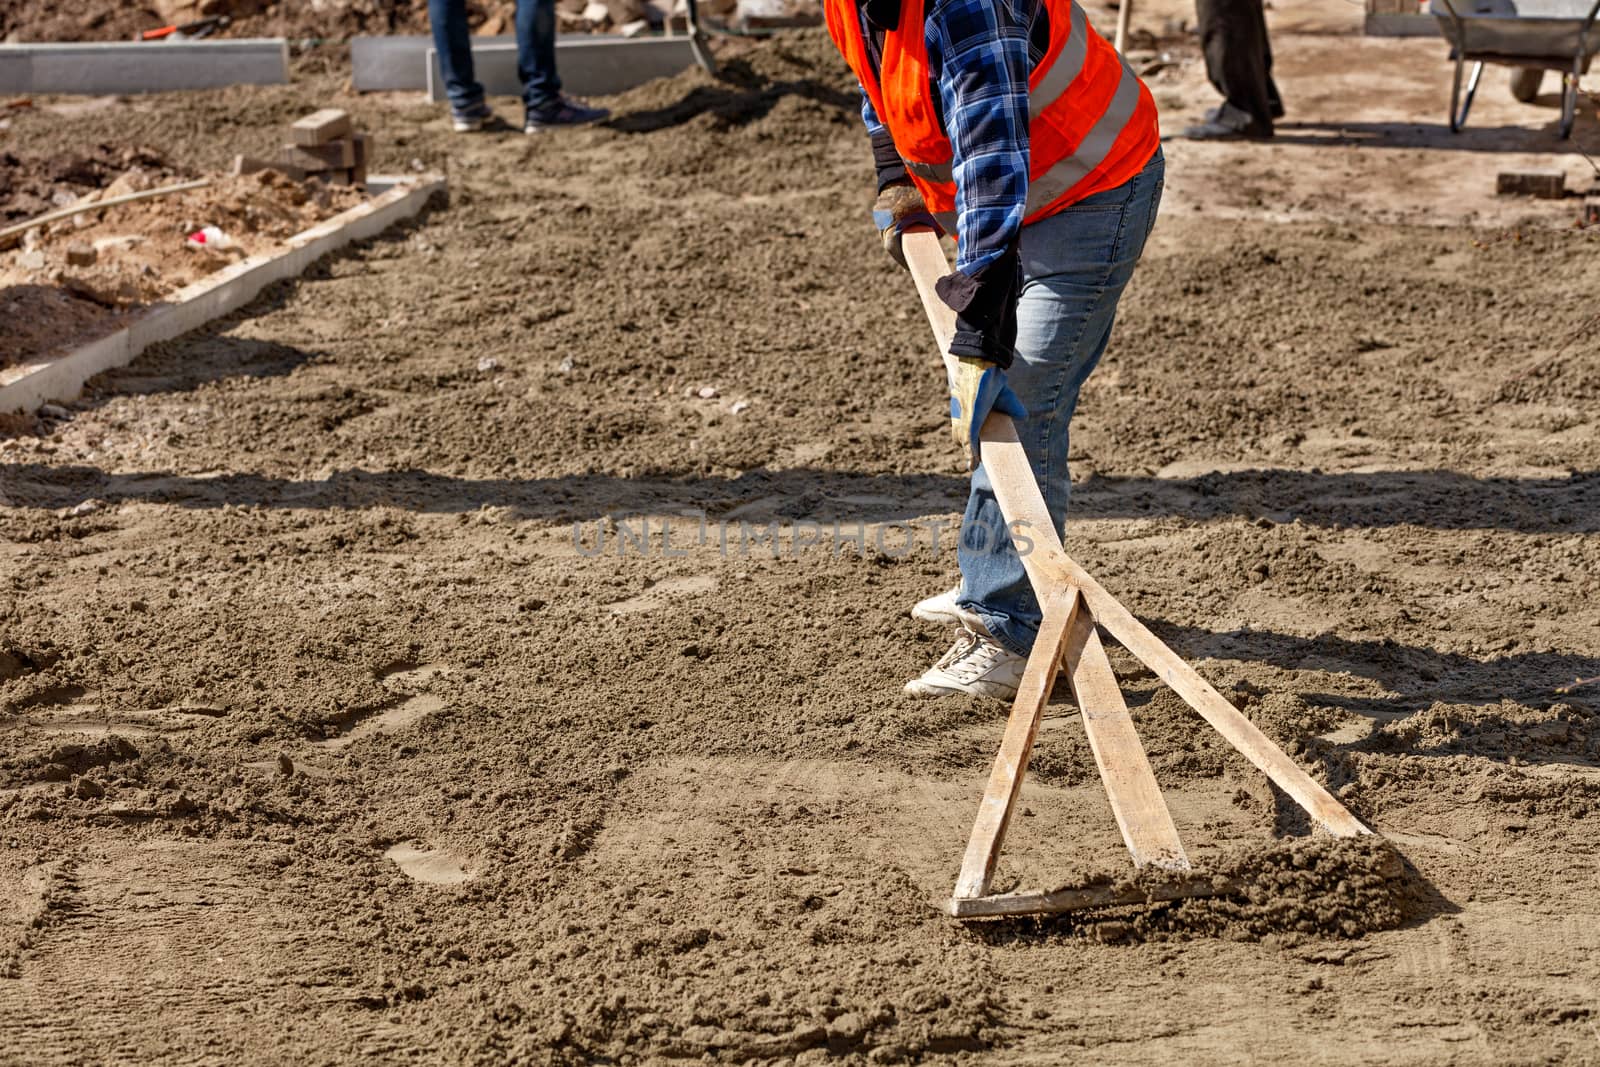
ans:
(898, 207)
(977, 387)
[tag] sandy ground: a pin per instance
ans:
(342, 722)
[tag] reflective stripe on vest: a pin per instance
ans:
(1091, 151)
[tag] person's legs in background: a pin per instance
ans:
(544, 106)
(536, 54)
(1233, 36)
(453, 42)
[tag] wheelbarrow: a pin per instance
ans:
(1530, 35)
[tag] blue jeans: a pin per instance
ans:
(1075, 265)
(536, 53)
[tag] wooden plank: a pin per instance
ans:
(1018, 493)
(1050, 570)
(1055, 901)
(1131, 788)
(1011, 763)
(320, 127)
(95, 205)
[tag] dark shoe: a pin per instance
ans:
(1215, 115)
(1228, 123)
(471, 119)
(564, 112)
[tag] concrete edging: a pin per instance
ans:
(590, 65)
(594, 66)
(100, 68)
(23, 388)
(387, 64)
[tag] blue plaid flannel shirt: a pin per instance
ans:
(979, 54)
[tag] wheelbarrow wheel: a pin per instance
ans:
(1526, 82)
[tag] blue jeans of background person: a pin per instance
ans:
(536, 53)
(1075, 265)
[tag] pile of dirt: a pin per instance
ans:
(1297, 889)
(68, 280)
(33, 185)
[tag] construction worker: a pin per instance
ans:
(544, 107)
(1233, 36)
(1014, 126)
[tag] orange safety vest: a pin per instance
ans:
(1092, 122)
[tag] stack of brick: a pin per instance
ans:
(324, 146)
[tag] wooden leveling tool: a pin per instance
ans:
(1075, 608)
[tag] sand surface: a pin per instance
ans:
(347, 716)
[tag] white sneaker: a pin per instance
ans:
(975, 665)
(942, 610)
(939, 609)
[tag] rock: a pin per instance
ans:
(703, 1035)
(285, 765)
(14, 664)
(488, 363)
(89, 789)
(740, 407)
(31, 260)
(634, 28)
(706, 392)
(54, 411)
(81, 255)
(848, 1027)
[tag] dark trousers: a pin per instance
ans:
(536, 53)
(1233, 35)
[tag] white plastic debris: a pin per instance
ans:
(210, 237)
